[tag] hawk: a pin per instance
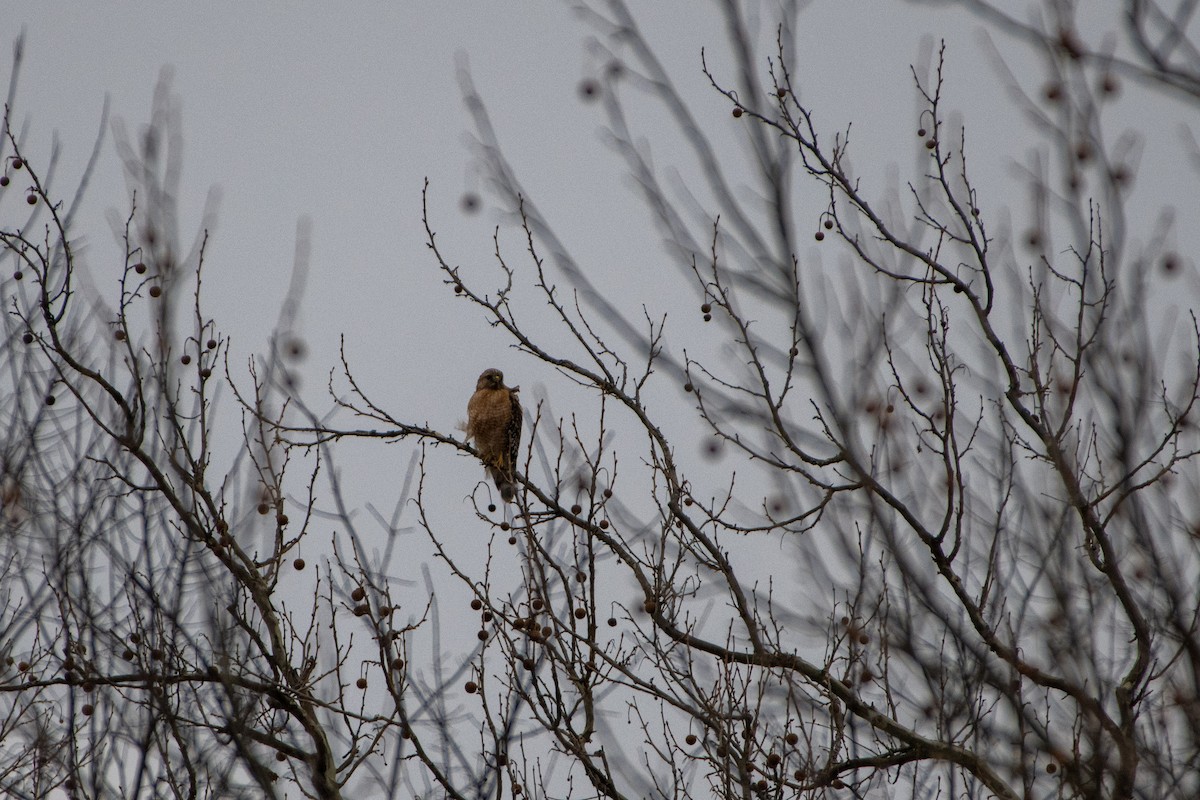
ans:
(494, 425)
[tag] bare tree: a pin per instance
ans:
(940, 538)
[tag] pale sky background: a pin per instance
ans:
(337, 113)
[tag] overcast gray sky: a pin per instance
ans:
(337, 113)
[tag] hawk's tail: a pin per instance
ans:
(504, 482)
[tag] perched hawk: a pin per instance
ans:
(494, 425)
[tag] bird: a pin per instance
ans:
(494, 425)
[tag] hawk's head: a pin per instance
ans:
(490, 379)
